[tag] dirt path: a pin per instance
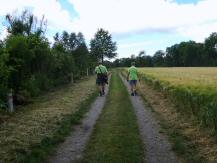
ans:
(116, 137)
(157, 147)
(71, 150)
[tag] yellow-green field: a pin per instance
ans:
(194, 90)
(193, 76)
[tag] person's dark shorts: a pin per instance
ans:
(100, 80)
(133, 82)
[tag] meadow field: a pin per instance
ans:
(193, 89)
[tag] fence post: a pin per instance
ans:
(10, 101)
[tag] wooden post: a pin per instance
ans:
(10, 102)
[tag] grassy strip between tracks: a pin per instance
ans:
(116, 136)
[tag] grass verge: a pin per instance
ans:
(26, 134)
(116, 136)
(40, 152)
(182, 132)
(183, 146)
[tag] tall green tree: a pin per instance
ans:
(158, 58)
(210, 49)
(102, 46)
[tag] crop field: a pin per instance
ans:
(192, 77)
(194, 90)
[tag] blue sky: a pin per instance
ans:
(137, 25)
(187, 1)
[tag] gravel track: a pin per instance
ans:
(71, 150)
(157, 147)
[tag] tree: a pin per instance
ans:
(158, 58)
(102, 46)
(141, 53)
(25, 24)
(210, 48)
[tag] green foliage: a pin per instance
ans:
(184, 54)
(25, 24)
(4, 74)
(102, 45)
(28, 64)
(20, 58)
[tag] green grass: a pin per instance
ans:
(116, 136)
(40, 152)
(32, 131)
(181, 144)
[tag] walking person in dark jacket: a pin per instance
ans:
(102, 77)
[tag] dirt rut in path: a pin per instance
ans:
(71, 150)
(157, 147)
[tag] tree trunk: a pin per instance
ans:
(102, 59)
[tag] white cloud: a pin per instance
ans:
(198, 32)
(57, 17)
(3, 33)
(136, 44)
(120, 16)
(194, 21)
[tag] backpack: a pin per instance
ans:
(104, 76)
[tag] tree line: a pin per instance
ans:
(30, 65)
(184, 54)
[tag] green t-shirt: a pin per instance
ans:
(133, 73)
(102, 68)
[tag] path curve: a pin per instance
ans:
(72, 148)
(157, 147)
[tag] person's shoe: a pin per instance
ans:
(135, 93)
(103, 92)
(100, 93)
(132, 94)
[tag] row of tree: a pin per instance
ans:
(184, 54)
(29, 64)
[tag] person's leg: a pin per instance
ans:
(131, 88)
(103, 88)
(99, 84)
(134, 87)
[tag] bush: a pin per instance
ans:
(4, 74)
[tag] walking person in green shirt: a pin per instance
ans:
(102, 78)
(132, 77)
